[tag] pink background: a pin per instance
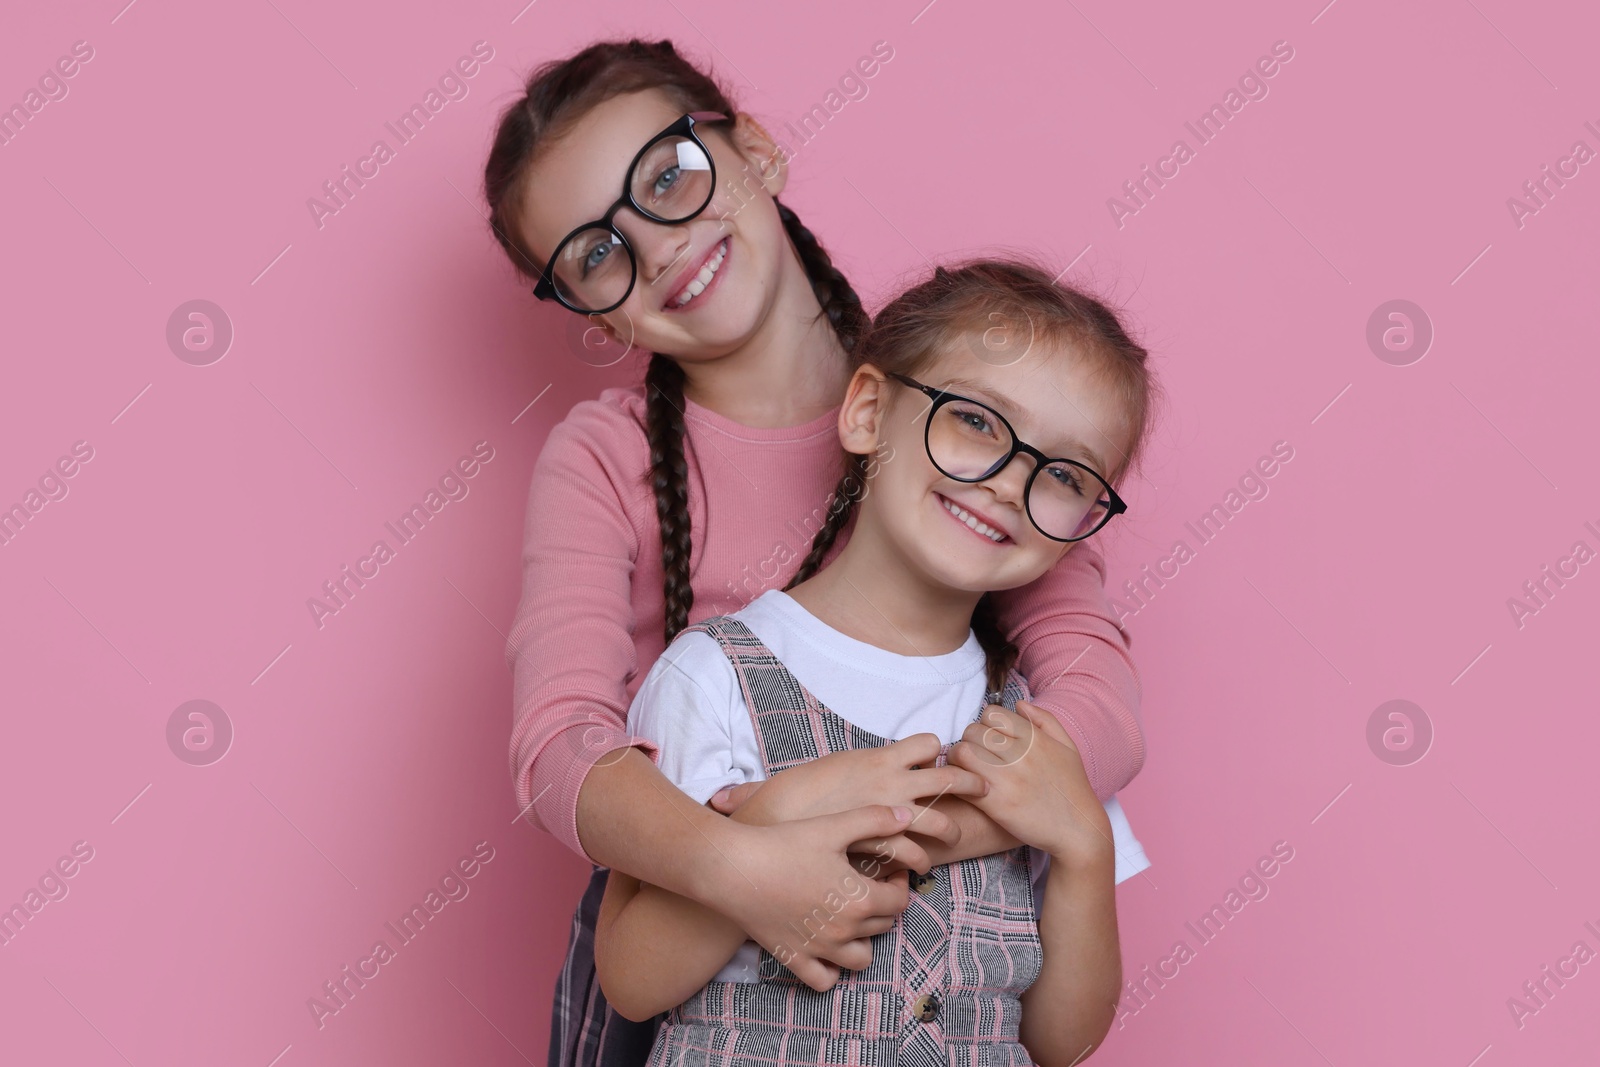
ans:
(370, 354)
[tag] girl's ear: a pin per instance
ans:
(865, 406)
(767, 160)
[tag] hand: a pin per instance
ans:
(1038, 791)
(895, 773)
(794, 891)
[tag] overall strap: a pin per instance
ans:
(791, 725)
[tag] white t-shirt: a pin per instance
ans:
(691, 706)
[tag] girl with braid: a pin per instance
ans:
(626, 185)
(993, 474)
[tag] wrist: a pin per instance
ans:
(1085, 861)
(716, 861)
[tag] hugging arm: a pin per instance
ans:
(578, 771)
(653, 947)
(1078, 665)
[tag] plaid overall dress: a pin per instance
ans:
(943, 986)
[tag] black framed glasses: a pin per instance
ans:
(969, 441)
(670, 180)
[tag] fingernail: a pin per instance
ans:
(720, 796)
(902, 814)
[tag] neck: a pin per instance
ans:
(791, 371)
(870, 593)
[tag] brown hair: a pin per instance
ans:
(558, 95)
(962, 302)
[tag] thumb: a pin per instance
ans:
(1046, 722)
(729, 799)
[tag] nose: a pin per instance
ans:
(658, 246)
(1010, 482)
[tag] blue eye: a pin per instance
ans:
(973, 419)
(597, 255)
(666, 180)
(1066, 476)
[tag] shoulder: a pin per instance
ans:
(599, 444)
(692, 673)
(611, 425)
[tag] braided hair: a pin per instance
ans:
(911, 331)
(558, 94)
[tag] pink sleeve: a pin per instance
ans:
(1077, 664)
(571, 649)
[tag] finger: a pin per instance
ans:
(818, 974)
(884, 896)
(1004, 721)
(933, 823)
(1004, 733)
(1046, 722)
(873, 867)
(729, 799)
(866, 823)
(938, 781)
(855, 954)
(877, 924)
(914, 750)
(903, 851)
(972, 753)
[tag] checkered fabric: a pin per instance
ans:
(944, 983)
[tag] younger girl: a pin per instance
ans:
(993, 474)
(629, 188)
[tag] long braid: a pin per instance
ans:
(669, 474)
(1002, 654)
(841, 505)
(834, 292)
(850, 322)
(669, 479)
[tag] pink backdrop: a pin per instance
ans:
(372, 348)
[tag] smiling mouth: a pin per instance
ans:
(708, 270)
(972, 522)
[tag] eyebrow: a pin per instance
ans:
(1004, 405)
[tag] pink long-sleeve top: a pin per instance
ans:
(589, 624)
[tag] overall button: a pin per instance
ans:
(923, 883)
(926, 1007)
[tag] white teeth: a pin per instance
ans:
(703, 279)
(972, 522)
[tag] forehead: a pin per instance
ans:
(578, 174)
(1055, 395)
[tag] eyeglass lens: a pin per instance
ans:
(967, 441)
(672, 182)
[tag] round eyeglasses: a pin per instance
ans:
(670, 180)
(969, 441)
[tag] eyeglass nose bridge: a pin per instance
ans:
(632, 250)
(1018, 448)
